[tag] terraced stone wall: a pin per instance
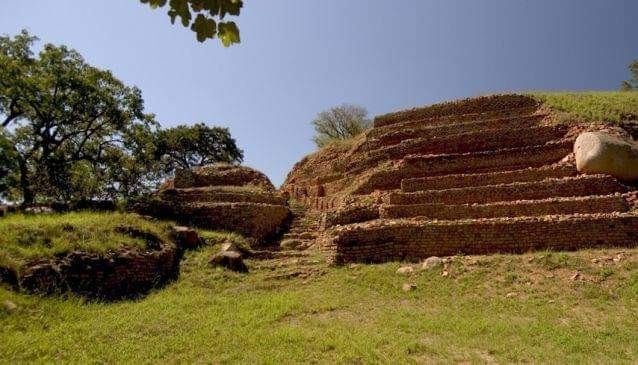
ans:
(470, 108)
(578, 186)
(124, 273)
(601, 204)
(415, 239)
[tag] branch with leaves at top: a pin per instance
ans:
(205, 17)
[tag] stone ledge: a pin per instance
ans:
(388, 240)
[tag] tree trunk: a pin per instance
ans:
(28, 196)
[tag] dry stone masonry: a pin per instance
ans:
(476, 176)
(221, 197)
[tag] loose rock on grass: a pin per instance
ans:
(230, 260)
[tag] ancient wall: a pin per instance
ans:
(551, 206)
(123, 273)
(474, 108)
(497, 169)
(576, 186)
(491, 178)
(413, 240)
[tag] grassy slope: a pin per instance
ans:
(351, 314)
(26, 237)
(600, 106)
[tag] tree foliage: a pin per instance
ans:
(205, 17)
(186, 147)
(71, 131)
(340, 123)
(632, 84)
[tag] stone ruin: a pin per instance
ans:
(221, 197)
(484, 175)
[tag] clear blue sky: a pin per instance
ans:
(298, 57)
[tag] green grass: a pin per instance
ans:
(592, 106)
(497, 309)
(28, 237)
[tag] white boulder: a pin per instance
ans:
(602, 153)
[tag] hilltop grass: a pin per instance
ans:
(495, 309)
(28, 237)
(591, 106)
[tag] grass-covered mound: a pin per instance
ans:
(24, 238)
(591, 106)
(98, 255)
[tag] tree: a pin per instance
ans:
(186, 147)
(62, 116)
(633, 83)
(340, 123)
(8, 165)
(208, 16)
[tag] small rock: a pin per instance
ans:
(404, 270)
(576, 276)
(290, 244)
(185, 237)
(9, 306)
(445, 274)
(431, 263)
(408, 287)
(229, 259)
(234, 247)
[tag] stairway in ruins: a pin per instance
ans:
(479, 176)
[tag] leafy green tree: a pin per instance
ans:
(205, 17)
(186, 147)
(633, 83)
(62, 115)
(8, 165)
(340, 123)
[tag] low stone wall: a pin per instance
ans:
(221, 175)
(212, 194)
(392, 135)
(413, 239)
(490, 178)
(481, 107)
(576, 186)
(350, 214)
(124, 273)
(461, 143)
(415, 166)
(504, 159)
(583, 205)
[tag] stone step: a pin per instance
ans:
(250, 219)
(490, 178)
(461, 143)
(551, 206)
(221, 195)
(420, 166)
(529, 156)
(382, 137)
(414, 239)
(564, 187)
(477, 108)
